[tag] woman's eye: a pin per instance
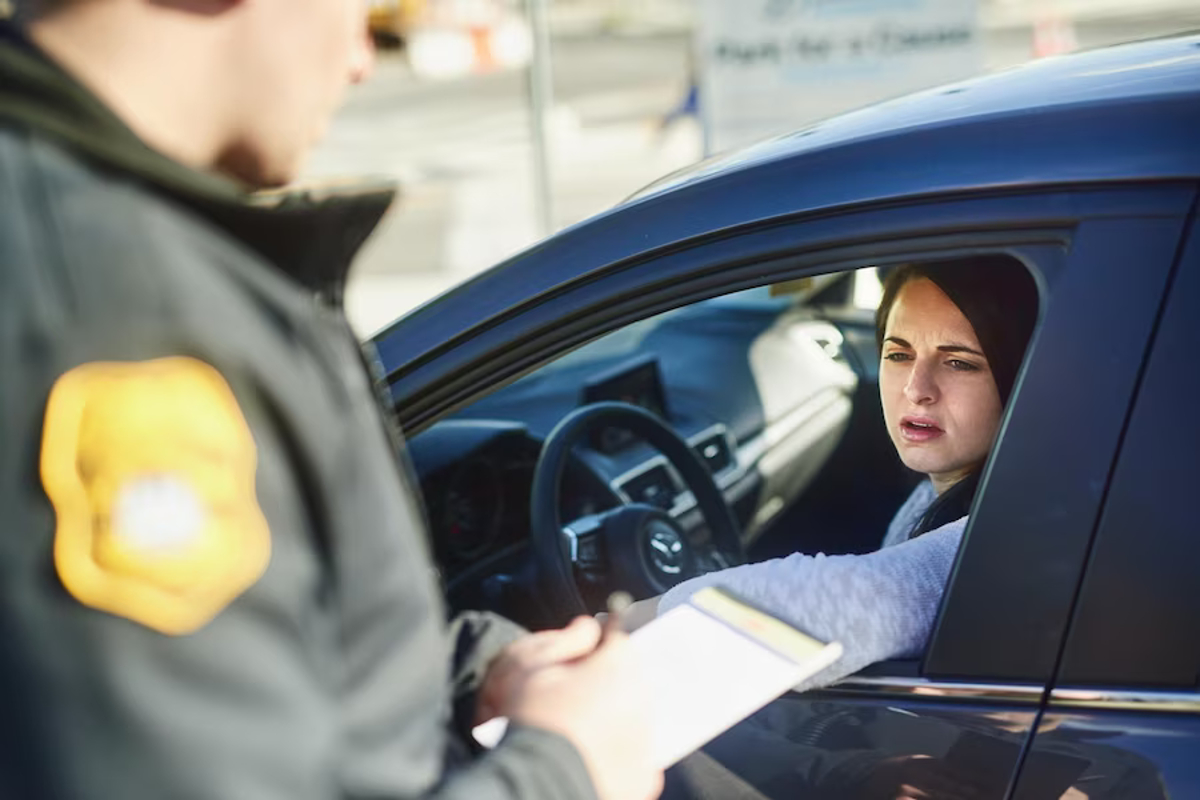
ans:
(961, 366)
(896, 355)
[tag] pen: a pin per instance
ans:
(618, 603)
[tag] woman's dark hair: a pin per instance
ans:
(999, 298)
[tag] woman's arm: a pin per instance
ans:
(880, 605)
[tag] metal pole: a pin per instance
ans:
(541, 100)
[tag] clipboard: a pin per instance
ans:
(710, 663)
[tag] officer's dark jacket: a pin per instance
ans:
(330, 677)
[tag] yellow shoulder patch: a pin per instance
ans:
(150, 468)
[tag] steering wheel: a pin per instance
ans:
(636, 547)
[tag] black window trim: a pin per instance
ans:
(1158, 649)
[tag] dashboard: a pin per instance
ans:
(476, 479)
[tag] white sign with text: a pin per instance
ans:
(770, 66)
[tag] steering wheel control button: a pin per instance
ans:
(666, 549)
(590, 555)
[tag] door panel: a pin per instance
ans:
(1123, 755)
(865, 742)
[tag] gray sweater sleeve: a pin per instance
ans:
(880, 605)
(910, 514)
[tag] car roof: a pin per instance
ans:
(1126, 113)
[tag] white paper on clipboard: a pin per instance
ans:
(711, 663)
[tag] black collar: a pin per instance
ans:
(312, 235)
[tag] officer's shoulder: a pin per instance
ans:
(100, 238)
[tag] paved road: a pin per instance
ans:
(461, 149)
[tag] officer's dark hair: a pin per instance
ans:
(999, 297)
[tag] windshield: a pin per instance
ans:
(627, 340)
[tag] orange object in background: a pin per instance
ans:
(446, 39)
(481, 41)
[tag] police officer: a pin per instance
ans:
(213, 581)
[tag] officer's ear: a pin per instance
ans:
(362, 59)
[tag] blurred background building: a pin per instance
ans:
(448, 114)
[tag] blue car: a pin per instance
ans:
(690, 380)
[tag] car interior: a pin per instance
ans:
(739, 428)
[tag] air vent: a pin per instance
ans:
(714, 452)
(654, 486)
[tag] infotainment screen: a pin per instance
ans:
(637, 383)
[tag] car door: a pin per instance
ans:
(1126, 700)
(974, 699)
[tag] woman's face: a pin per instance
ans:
(940, 401)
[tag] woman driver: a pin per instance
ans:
(952, 336)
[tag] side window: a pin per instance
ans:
(777, 388)
(778, 391)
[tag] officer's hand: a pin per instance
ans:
(637, 615)
(515, 662)
(598, 700)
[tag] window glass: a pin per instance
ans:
(778, 388)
